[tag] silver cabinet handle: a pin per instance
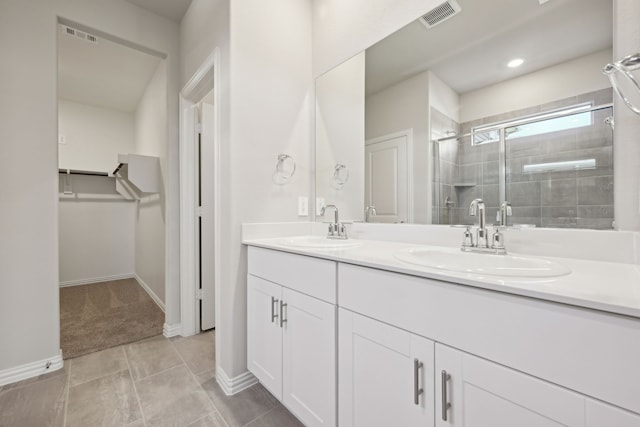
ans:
(445, 405)
(274, 315)
(417, 391)
(282, 319)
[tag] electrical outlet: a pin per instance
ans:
(320, 203)
(303, 206)
(62, 139)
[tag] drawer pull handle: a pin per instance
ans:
(417, 391)
(445, 405)
(282, 318)
(274, 314)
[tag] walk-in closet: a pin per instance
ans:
(112, 139)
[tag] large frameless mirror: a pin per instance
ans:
(499, 100)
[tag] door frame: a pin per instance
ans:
(408, 133)
(203, 80)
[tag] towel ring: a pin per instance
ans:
(625, 84)
(340, 176)
(285, 168)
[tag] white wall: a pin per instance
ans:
(271, 110)
(29, 310)
(28, 107)
(405, 105)
(265, 53)
(580, 75)
(443, 98)
(94, 136)
(151, 140)
(340, 137)
(96, 231)
(626, 156)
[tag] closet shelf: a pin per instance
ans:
(79, 172)
(137, 176)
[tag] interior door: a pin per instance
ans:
(387, 179)
(207, 219)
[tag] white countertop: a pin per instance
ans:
(606, 286)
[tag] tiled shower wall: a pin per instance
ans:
(578, 199)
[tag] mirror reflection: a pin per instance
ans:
(503, 101)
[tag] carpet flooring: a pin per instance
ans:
(102, 315)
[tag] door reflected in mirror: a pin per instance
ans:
(504, 101)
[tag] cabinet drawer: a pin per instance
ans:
(311, 276)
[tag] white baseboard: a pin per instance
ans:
(236, 384)
(152, 294)
(171, 330)
(90, 280)
(30, 370)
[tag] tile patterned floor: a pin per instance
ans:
(154, 382)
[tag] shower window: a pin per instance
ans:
(548, 122)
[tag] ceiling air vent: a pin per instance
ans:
(440, 13)
(79, 34)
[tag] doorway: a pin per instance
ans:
(112, 139)
(199, 201)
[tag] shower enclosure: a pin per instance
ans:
(554, 165)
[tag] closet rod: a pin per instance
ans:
(78, 172)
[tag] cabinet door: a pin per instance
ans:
(309, 358)
(264, 335)
(378, 366)
(600, 415)
(484, 394)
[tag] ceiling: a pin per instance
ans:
(171, 9)
(471, 49)
(103, 74)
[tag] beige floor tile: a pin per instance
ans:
(211, 420)
(96, 365)
(151, 356)
(198, 352)
(106, 401)
(277, 417)
(205, 376)
(172, 398)
(139, 423)
(241, 408)
(39, 404)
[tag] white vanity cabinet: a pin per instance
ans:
(512, 360)
(291, 329)
(385, 375)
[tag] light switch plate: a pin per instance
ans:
(303, 206)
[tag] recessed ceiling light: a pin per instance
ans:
(515, 63)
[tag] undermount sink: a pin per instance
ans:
(484, 264)
(318, 242)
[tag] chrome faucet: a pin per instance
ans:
(481, 242)
(337, 230)
(477, 208)
(369, 211)
(503, 213)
